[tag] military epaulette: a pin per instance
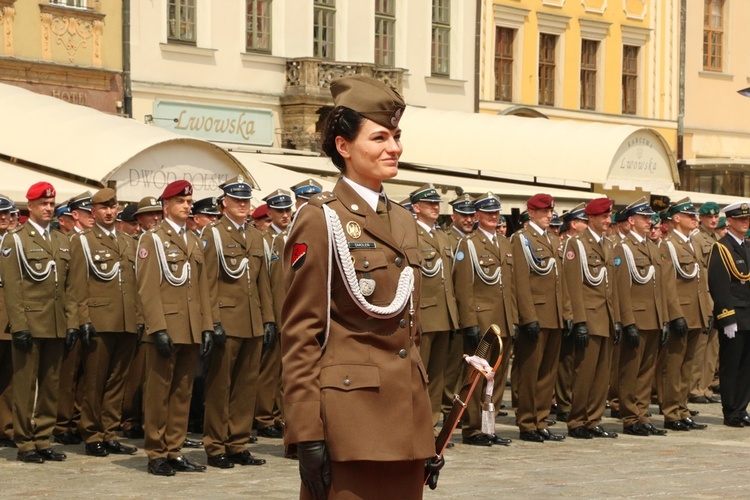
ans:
(321, 199)
(153, 229)
(16, 230)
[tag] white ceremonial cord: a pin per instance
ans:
(236, 273)
(24, 264)
(164, 267)
(108, 276)
(531, 259)
(635, 275)
(488, 279)
(590, 278)
(267, 250)
(434, 270)
(481, 365)
(337, 240)
(678, 269)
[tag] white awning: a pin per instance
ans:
(17, 179)
(545, 151)
(82, 142)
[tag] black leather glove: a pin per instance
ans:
(139, 329)
(710, 326)
(220, 338)
(618, 333)
(314, 468)
(87, 331)
(163, 342)
(631, 334)
(207, 343)
(679, 327)
(515, 333)
(532, 330)
(581, 334)
(472, 334)
(71, 335)
(665, 333)
(269, 335)
(22, 340)
(568, 327)
(432, 468)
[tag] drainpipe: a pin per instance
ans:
(681, 115)
(127, 89)
(477, 46)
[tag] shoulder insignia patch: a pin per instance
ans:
(618, 261)
(7, 252)
(460, 256)
(299, 254)
(570, 255)
(143, 253)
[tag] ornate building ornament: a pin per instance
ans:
(73, 30)
(7, 13)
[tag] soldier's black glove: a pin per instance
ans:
(314, 468)
(139, 329)
(472, 334)
(163, 343)
(432, 468)
(710, 326)
(532, 330)
(269, 335)
(207, 343)
(618, 333)
(220, 338)
(665, 333)
(568, 329)
(581, 334)
(22, 340)
(515, 333)
(679, 327)
(631, 333)
(86, 332)
(71, 335)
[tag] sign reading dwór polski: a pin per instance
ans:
(216, 123)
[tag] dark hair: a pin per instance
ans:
(344, 122)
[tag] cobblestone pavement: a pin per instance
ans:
(698, 464)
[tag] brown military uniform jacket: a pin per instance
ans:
(596, 305)
(481, 304)
(184, 311)
(242, 305)
(369, 375)
(274, 247)
(110, 305)
(540, 298)
(694, 298)
(703, 241)
(3, 310)
(650, 305)
(438, 311)
(42, 307)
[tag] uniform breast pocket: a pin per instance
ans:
(175, 261)
(104, 263)
(37, 261)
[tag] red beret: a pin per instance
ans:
(598, 206)
(177, 188)
(40, 190)
(260, 212)
(540, 201)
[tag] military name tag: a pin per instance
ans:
(367, 286)
(231, 246)
(361, 244)
(36, 250)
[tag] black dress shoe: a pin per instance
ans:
(531, 436)
(676, 425)
(253, 439)
(693, 412)
(182, 464)
(449, 445)
(502, 413)
(478, 440)
(50, 454)
(637, 429)
(654, 431)
(192, 443)
(118, 448)
(245, 458)
(733, 422)
(563, 416)
(96, 449)
(599, 432)
(7, 443)
(714, 399)
(548, 436)
(500, 440)
(580, 433)
(745, 420)
(692, 424)
(68, 438)
(30, 457)
(270, 432)
(160, 467)
(221, 461)
(550, 423)
(135, 432)
(700, 400)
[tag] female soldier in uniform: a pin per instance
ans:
(355, 388)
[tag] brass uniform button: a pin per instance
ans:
(347, 382)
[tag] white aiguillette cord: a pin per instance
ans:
(24, 264)
(108, 276)
(487, 279)
(241, 268)
(678, 269)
